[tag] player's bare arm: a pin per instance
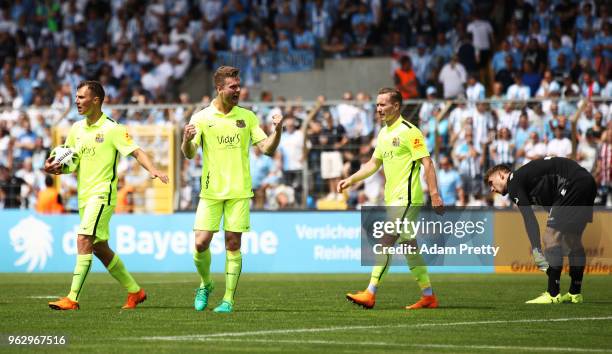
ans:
(268, 146)
(368, 169)
(145, 162)
(187, 147)
(432, 185)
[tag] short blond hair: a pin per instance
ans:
(224, 72)
(394, 94)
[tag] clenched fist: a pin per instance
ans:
(277, 122)
(189, 132)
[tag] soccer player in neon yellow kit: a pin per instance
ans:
(98, 139)
(401, 150)
(224, 131)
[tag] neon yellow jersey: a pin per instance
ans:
(98, 146)
(225, 140)
(400, 147)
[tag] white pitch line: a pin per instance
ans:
(350, 328)
(44, 297)
(415, 345)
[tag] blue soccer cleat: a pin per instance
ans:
(224, 307)
(201, 296)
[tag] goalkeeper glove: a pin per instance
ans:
(539, 259)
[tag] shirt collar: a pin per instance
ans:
(98, 123)
(396, 123)
(217, 111)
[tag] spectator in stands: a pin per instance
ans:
(238, 41)
(442, 52)
(31, 184)
(535, 54)
(405, 79)
(598, 127)
(337, 44)
(302, 38)
(589, 87)
(449, 182)
(349, 116)
(546, 85)
(452, 77)
(421, 61)
(530, 79)
(586, 120)
(427, 107)
(6, 146)
(166, 48)
(332, 140)
(466, 53)
(498, 94)
(182, 61)
(532, 150)
(284, 42)
(125, 197)
(10, 189)
(518, 90)
(560, 146)
(507, 117)
(468, 157)
(319, 20)
(25, 85)
(25, 141)
(505, 75)
(502, 150)
(291, 149)
(603, 170)
(475, 90)
(499, 58)
(285, 20)
(586, 152)
(522, 132)
(49, 201)
(263, 175)
(67, 65)
(483, 38)
(93, 64)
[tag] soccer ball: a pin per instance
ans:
(67, 157)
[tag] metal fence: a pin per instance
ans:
(315, 153)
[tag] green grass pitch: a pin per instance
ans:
(308, 313)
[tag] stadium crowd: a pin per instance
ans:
(557, 51)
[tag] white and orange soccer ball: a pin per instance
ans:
(67, 157)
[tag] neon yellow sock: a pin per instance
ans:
(417, 266)
(202, 263)
(378, 272)
(121, 274)
(233, 268)
(81, 269)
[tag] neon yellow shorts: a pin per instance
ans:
(95, 221)
(235, 212)
(411, 214)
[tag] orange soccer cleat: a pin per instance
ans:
(64, 303)
(134, 299)
(362, 298)
(425, 302)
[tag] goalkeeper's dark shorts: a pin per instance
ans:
(574, 209)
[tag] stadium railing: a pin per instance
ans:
(158, 129)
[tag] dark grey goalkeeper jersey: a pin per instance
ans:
(560, 185)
